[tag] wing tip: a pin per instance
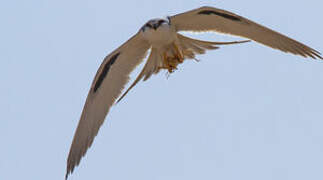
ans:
(69, 169)
(314, 54)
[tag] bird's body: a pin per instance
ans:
(168, 49)
(163, 39)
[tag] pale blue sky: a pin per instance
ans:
(244, 112)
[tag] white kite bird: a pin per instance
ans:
(167, 48)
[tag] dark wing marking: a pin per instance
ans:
(105, 71)
(228, 16)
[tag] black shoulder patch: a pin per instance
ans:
(228, 16)
(105, 71)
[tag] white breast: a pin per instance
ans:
(162, 36)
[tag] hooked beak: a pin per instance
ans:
(155, 26)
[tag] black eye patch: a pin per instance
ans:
(149, 25)
(161, 22)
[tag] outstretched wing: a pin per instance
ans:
(218, 20)
(107, 85)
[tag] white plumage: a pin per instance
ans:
(168, 48)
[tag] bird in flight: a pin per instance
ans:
(167, 49)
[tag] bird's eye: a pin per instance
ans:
(161, 21)
(149, 25)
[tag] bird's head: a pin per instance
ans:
(154, 24)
